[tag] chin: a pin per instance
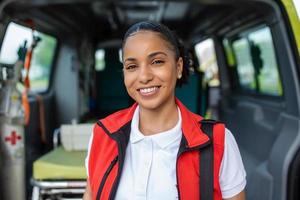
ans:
(151, 104)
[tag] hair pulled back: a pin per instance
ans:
(170, 37)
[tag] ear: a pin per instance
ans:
(179, 67)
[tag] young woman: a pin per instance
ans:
(152, 149)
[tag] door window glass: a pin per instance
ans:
(206, 55)
(268, 76)
(99, 58)
(257, 67)
(17, 36)
(243, 60)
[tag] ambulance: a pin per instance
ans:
(61, 71)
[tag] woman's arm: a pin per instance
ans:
(239, 196)
(88, 192)
(232, 173)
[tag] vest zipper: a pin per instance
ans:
(178, 189)
(107, 172)
(117, 180)
(182, 149)
(122, 144)
(114, 186)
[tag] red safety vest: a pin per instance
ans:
(111, 136)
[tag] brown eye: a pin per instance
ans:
(131, 67)
(158, 62)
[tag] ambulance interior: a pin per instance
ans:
(246, 74)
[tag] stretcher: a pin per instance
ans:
(61, 174)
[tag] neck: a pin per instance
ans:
(158, 120)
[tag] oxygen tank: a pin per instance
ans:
(12, 144)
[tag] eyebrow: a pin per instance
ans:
(129, 59)
(150, 56)
(156, 53)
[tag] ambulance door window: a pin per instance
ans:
(208, 67)
(99, 60)
(17, 36)
(256, 62)
(206, 55)
(244, 65)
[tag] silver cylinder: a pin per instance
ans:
(12, 153)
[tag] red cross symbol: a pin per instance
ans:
(13, 138)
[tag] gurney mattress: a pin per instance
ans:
(60, 164)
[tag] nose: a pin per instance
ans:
(146, 74)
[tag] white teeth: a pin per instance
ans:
(148, 90)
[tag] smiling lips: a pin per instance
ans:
(148, 91)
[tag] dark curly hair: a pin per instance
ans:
(170, 37)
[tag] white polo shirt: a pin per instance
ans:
(149, 170)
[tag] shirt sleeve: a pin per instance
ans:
(232, 176)
(88, 155)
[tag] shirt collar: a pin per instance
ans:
(162, 139)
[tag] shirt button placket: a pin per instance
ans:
(143, 174)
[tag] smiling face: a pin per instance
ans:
(150, 69)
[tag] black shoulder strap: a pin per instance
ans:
(207, 163)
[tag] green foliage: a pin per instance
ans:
(42, 60)
(268, 77)
(44, 52)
